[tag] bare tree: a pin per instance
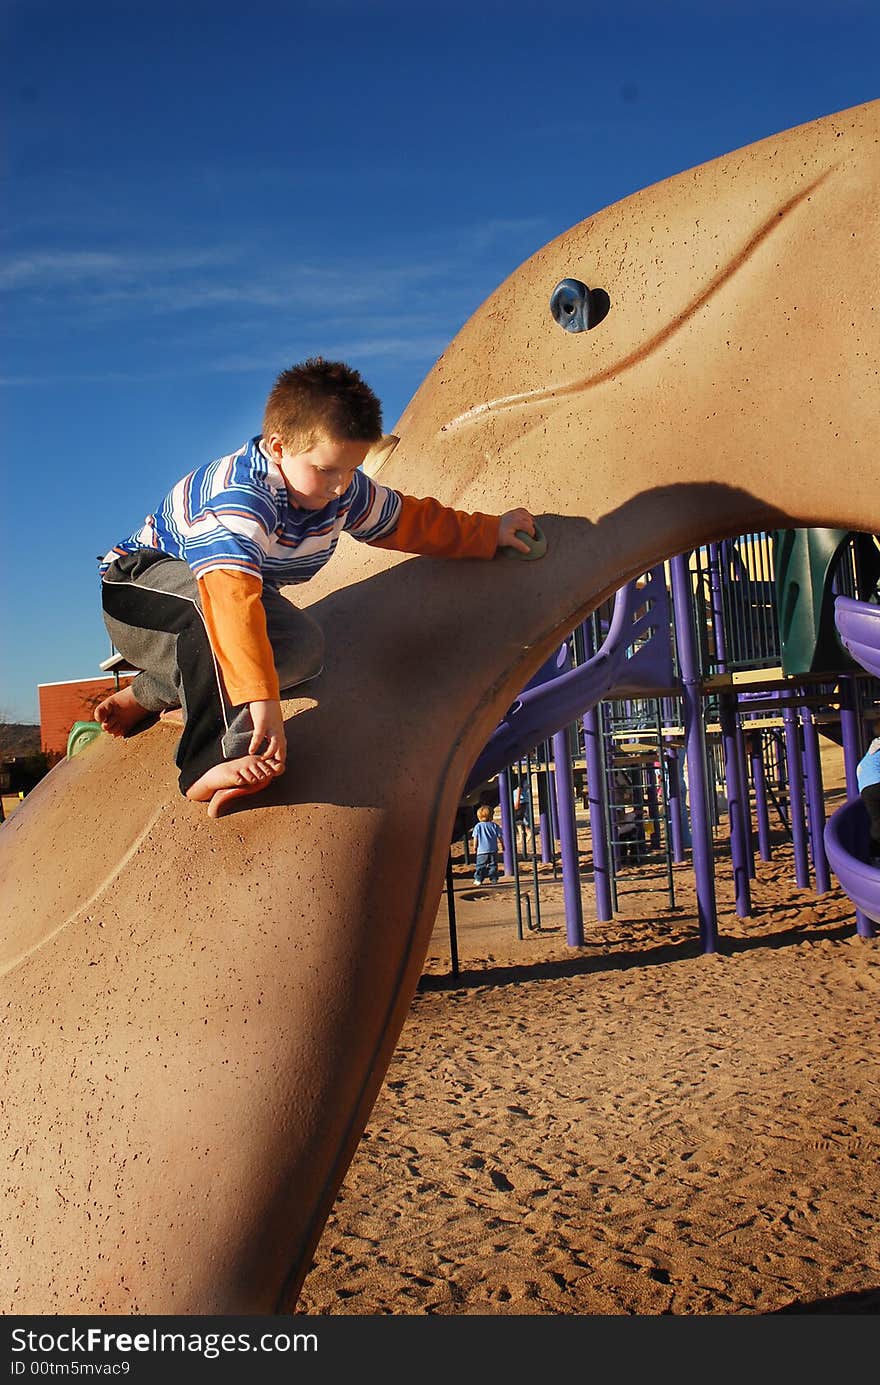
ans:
(19, 741)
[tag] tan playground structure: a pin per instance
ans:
(198, 1014)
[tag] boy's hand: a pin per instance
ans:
(268, 727)
(510, 522)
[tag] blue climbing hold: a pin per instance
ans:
(570, 305)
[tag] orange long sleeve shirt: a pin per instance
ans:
(236, 618)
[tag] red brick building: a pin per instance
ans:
(61, 704)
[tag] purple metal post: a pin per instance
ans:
(596, 791)
(851, 731)
(689, 668)
(508, 830)
(571, 874)
(781, 775)
(717, 602)
(746, 800)
(762, 816)
(796, 797)
(653, 807)
(544, 813)
(815, 801)
(595, 785)
(552, 798)
(735, 818)
(673, 798)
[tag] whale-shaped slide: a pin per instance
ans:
(846, 831)
(199, 1014)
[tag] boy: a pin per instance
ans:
(488, 841)
(191, 598)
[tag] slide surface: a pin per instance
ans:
(617, 669)
(846, 831)
(858, 624)
(198, 1015)
(846, 846)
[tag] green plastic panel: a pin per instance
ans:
(82, 733)
(804, 561)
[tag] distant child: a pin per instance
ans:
(522, 803)
(488, 842)
(868, 777)
(192, 597)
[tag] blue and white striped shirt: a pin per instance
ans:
(234, 514)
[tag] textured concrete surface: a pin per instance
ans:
(198, 1014)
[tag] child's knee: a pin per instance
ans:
(302, 660)
(316, 647)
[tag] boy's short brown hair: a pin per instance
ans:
(321, 399)
(485, 812)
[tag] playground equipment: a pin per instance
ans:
(846, 841)
(199, 1014)
(767, 740)
(846, 832)
(808, 575)
(858, 624)
(635, 656)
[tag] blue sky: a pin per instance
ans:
(199, 194)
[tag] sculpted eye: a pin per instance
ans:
(577, 308)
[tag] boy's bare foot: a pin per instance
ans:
(173, 714)
(232, 779)
(120, 712)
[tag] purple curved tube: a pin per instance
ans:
(846, 842)
(558, 695)
(859, 632)
(858, 624)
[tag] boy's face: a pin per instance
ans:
(320, 474)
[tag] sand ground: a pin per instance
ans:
(631, 1126)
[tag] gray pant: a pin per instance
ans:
(153, 614)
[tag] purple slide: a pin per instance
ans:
(635, 660)
(846, 831)
(858, 625)
(846, 846)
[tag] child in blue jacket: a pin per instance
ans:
(488, 841)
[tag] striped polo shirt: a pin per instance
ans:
(234, 514)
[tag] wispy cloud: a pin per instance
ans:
(490, 234)
(74, 268)
(112, 283)
(158, 312)
(418, 348)
(171, 279)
